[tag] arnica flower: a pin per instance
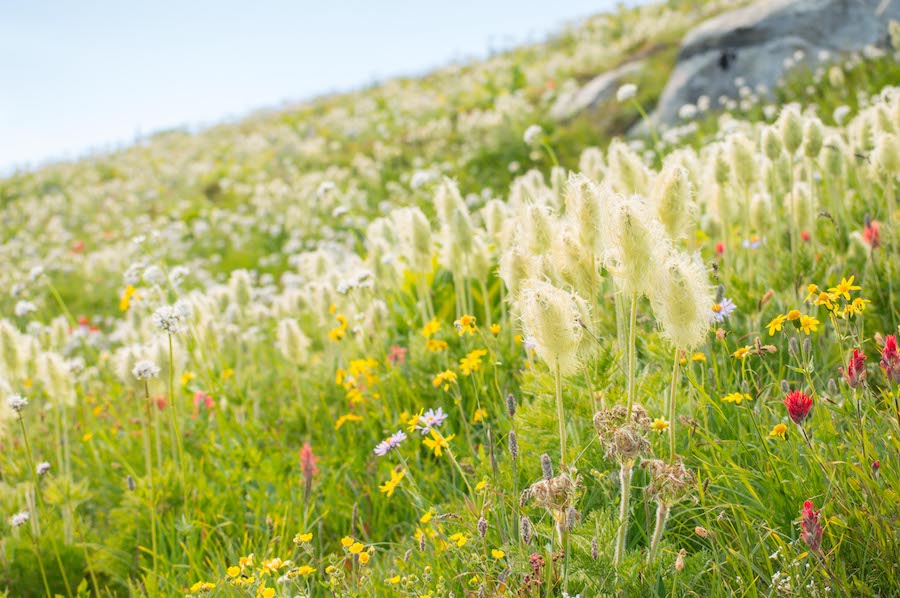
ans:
(742, 352)
(431, 419)
(778, 431)
(736, 397)
(431, 328)
(202, 586)
(458, 539)
(798, 404)
(471, 362)
(659, 425)
(844, 287)
(890, 359)
(466, 325)
(722, 310)
(390, 443)
(808, 324)
(444, 379)
(856, 369)
(812, 529)
(776, 324)
(698, 357)
(388, 488)
(434, 345)
(437, 442)
(794, 315)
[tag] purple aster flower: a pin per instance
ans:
(431, 419)
(722, 310)
(389, 444)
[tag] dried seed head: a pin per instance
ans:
(807, 345)
(554, 494)
(624, 441)
(525, 529)
(669, 484)
(130, 483)
(743, 161)
(482, 526)
(583, 206)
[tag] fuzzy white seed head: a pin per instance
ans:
(584, 208)
(790, 123)
(591, 163)
(626, 92)
(771, 143)
(145, 370)
(635, 241)
(554, 318)
(532, 134)
(682, 305)
(673, 197)
(887, 154)
(167, 319)
(743, 162)
(627, 173)
(813, 136)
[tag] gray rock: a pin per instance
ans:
(595, 92)
(753, 43)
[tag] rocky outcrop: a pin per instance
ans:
(757, 44)
(594, 93)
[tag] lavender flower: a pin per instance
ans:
(431, 419)
(389, 444)
(19, 519)
(42, 468)
(722, 310)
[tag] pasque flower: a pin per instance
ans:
(856, 369)
(798, 404)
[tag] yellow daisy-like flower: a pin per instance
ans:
(388, 488)
(794, 315)
(844, 287)
(812, 292)
(349, 417)
(518, 339)
(458, 539)
(246, 561)
(431, 328)
(363, 558)
(825, 299)
(129, 294)
(471, 362)
(233, 571)
(187, 377)
(202, 586)
(437, 442)
(264, 592)
(735, 397)
(497, 553)
(776, 324)
(305, 570)
(480, 414)
(742, 352)
(778, 431)
(659, 425)
(303, 538)
(466, 325)
(414, 421)
(445, 378)
(394, 580)
(347, 541)
(427, 516)
(698, 357)
(481, 484)
(495, 329)
(808, 324)
(434, 345)
(356, 547)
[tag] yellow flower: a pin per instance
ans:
(264, 592)
(826, 300)
(87, 437)
(808, 324)
(187, 377)
(518, 339)
(305, 570)
(431, 328)
(357, 547)
(246, 561)
(202, 586)
(427, 516)
(480, 414)
(659, 425)
(495, 328)
(434, 345)
(497, 553)
(446, 378)
(233, 571)
(735, 397)
(466, 324)
(227, 373)
(350, 417)
(394, 580)
(389, 486)
(303, 538)
(794, 315)
(458, 539)
(129, 294)
(363, 558)
(273, 565)
(844, 287)
(471, 362)
(347, 541)
(778, 431)
(776, 324)
(338, 332)
(812, 291)
(698, 357)
(742, 352)
(481, 484)
(438, 442)
(414, 421)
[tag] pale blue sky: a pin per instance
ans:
(76, 76)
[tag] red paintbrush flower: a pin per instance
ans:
(798, 404)
(308, 461)
(872, 234)
(890, 359)
(812, 529)
(856, 369)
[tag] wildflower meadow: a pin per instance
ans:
(422, 340)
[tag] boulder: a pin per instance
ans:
(757, 44)
(594, 93)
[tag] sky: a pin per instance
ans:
(77, 77)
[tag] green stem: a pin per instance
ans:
(37, 551)
(148, 463)
(560, 416)
(632, 366)
(174, 412)
(625, 473)
(662, 514)
(672, 409)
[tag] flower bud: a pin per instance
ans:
(546, 466)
